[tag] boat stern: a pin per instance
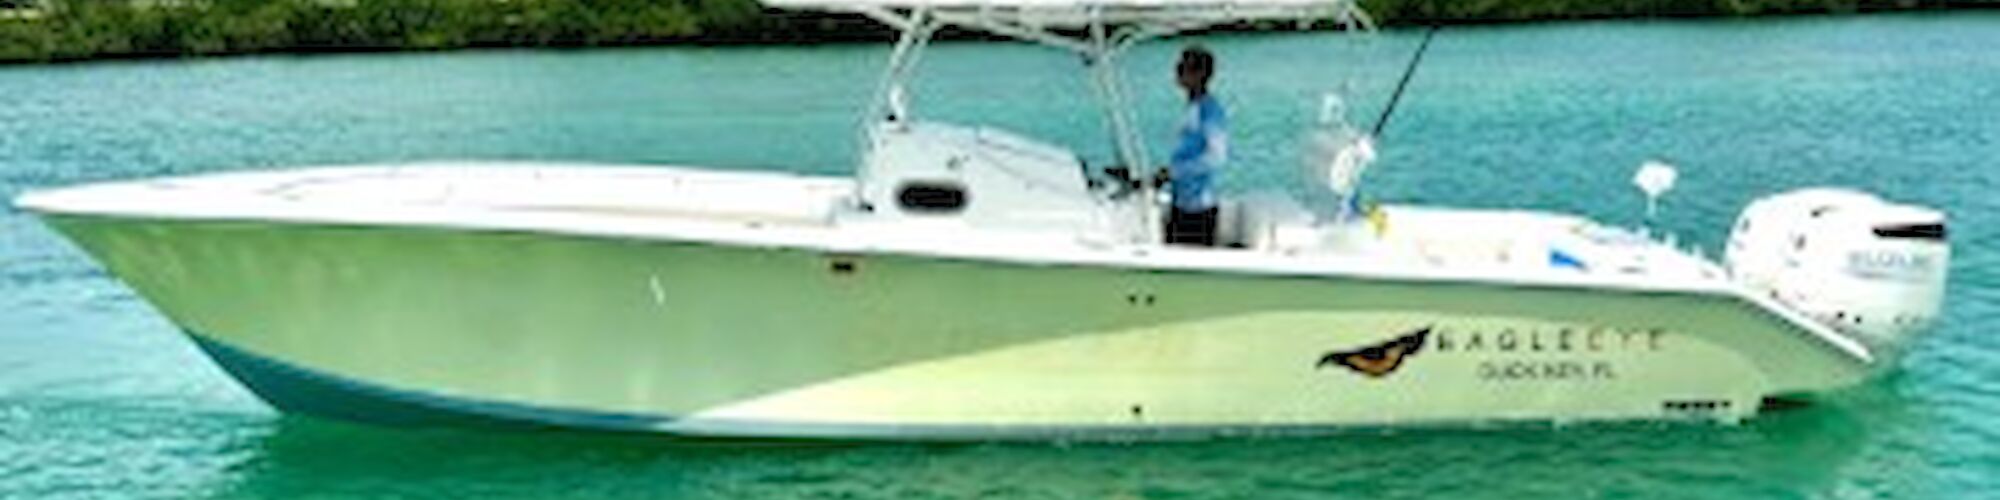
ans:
(1867, 268)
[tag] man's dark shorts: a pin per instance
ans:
(1191, 228)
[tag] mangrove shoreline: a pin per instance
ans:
(73, 30)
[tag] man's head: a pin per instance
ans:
(1194, 70)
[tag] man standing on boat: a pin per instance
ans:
(1202, 147)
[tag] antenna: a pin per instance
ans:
(1408, 71)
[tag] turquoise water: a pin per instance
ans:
(99, 397)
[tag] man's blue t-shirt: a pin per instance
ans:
(1202, 148)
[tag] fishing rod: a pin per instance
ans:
(1408, 71)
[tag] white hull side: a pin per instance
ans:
(780, 342)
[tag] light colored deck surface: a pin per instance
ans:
(766, 208)
(498, 188)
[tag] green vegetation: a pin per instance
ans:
(59, 30)
(1479, 11)
(46, 30)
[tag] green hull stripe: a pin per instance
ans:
(297, 390)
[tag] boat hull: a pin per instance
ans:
(425, 325)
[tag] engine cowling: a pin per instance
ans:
(1864, 266)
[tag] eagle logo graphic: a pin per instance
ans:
(1378, 360)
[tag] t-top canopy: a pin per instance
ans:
(1081, 13)
(1099, 30)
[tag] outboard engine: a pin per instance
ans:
(1850, 260)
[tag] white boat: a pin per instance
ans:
(969, 283)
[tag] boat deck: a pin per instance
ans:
(779, 209)
(1532, 242)
(734, 197)
(776, 210)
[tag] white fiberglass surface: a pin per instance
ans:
(784, 210)
(789, 210)
(623, 191)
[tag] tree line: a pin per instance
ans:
(49, 30)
